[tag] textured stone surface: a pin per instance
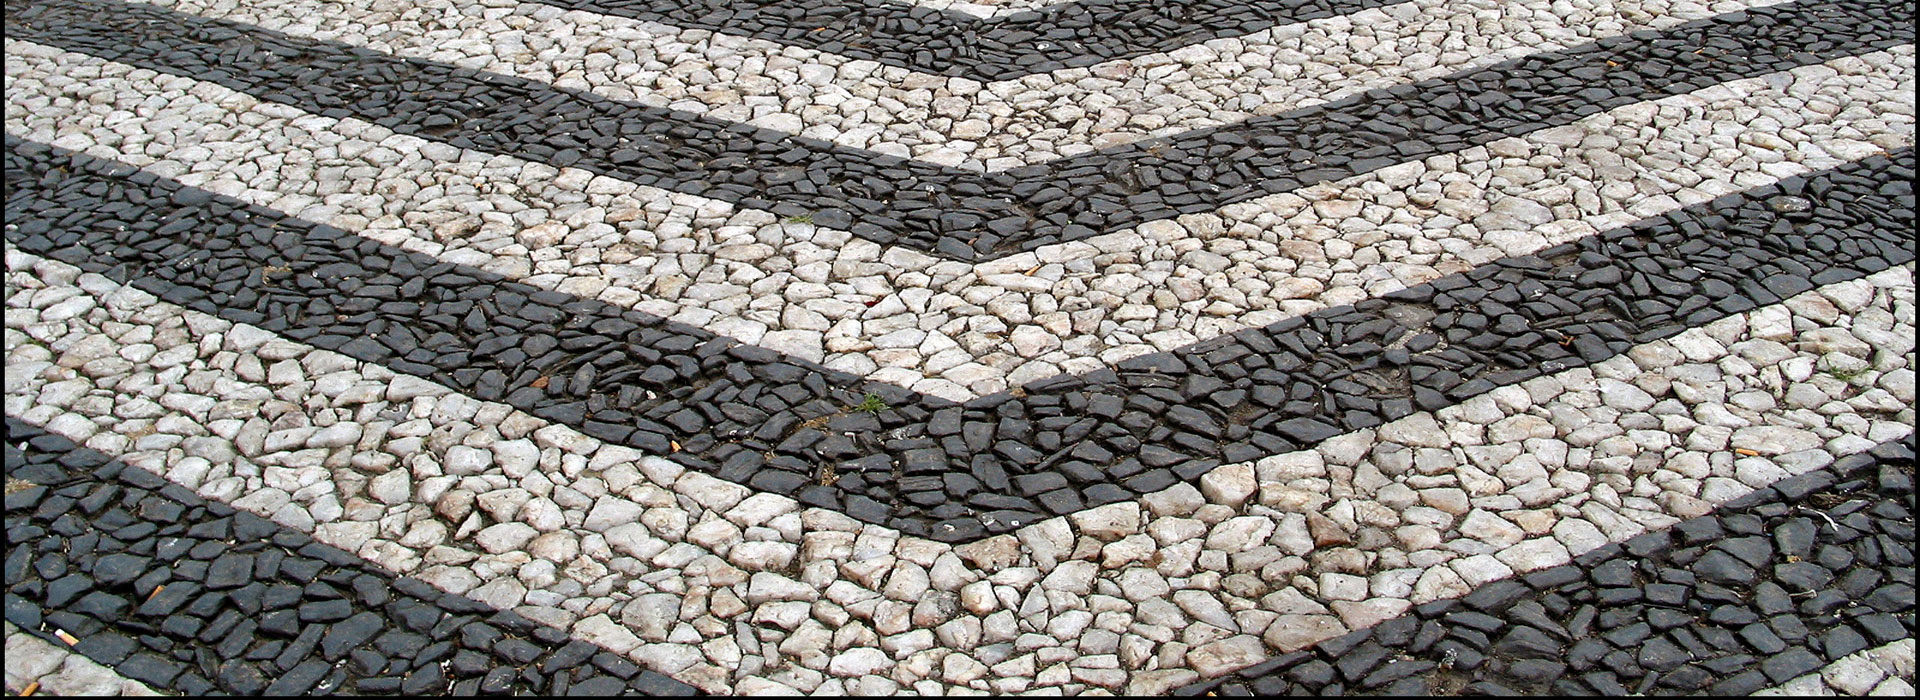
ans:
(309, 618)
(965, 477)
(34, 663)
(1347, 347)
(1642, 617)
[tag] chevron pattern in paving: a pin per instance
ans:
(873, 346)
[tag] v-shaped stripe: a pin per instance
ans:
(959, 214)
(1067, 35)
(931, 467)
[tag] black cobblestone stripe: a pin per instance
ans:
(1773, 586)
(925, 465)
(619, 375)
(950, 212)
(1066, 35)
(196, 597)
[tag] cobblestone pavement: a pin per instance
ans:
(1064, 347)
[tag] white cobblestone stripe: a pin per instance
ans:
(950, 212)
(984, 8)
(1883, 670)
(960, 122)
(949, 329)
(48, 669)
(988, 8)
(749, 593)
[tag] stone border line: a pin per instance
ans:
(956, 121)
(984, 325)
(1065, 35)
(1776, 584)
(1883, 670)
(34, 664)
(986, 8)
(469, 494)
(193, 596)
(973, 470)
(958, 214)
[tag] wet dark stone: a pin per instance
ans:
(1477, 621)
(1488, 687)
(1665, 619)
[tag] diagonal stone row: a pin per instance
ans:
(923, 465)
(183, 594)
(1057, 36)
(974, 324)
(1882, 670)
(1326, 473)
(1776, 584)
(1328, 517)
(957, 121)
(961, 215)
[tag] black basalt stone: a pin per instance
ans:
(1720, 567)
(1528, 643)
(1790, 664)
(240, 678)
(299, 679)
(150, 669)
(1142, 400)
(247, 639)
(1659, 649)
(350, 633)
(118, 569)
(230, 571)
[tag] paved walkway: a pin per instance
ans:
(930, 347)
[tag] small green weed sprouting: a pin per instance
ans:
(871, 404)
